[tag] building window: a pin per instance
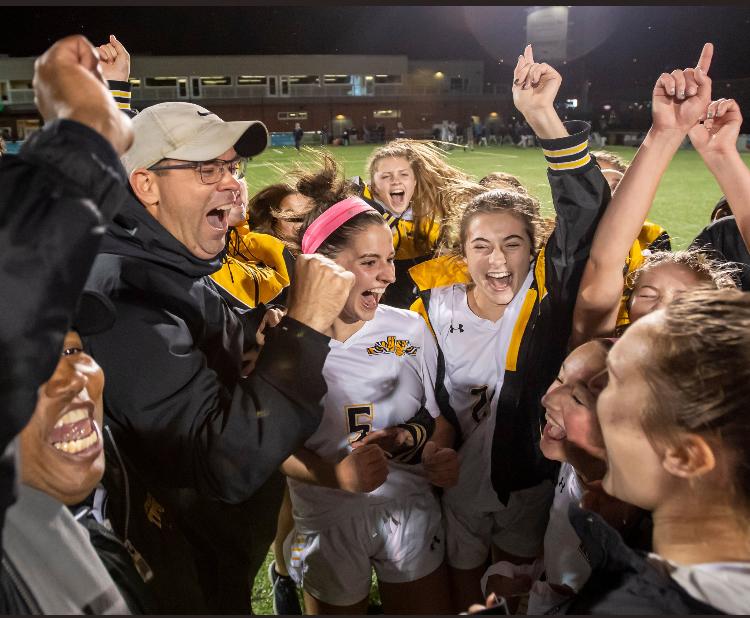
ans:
(223, 80)
(21, 84)
(331, 80)
(387, 113)
(135, 82)
(156, 82)
(387, 79)
(252, 80)
(292, 115)
(304, 79)
(459, 84)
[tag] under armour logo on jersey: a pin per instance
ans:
(435, 541)
(460, 328)
(399, 347)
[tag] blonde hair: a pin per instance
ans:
(434, 179)
(503, 180)
(719, 275)
(615, 161)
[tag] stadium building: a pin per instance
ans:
(334, 92)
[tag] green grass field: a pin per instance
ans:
(682, 206)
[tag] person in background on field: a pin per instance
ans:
(470, 132)
(297, 133)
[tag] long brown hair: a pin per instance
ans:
(434, 178)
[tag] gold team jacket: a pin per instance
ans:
(257, 267)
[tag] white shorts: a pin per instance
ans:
(402, 539)
(517, 529)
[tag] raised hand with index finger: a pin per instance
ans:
(680, 98)
(535, 86)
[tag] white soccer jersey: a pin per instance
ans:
(564, 560)
(474, 350)
(377, 378)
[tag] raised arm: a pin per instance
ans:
(535, 86)
(679, 101)
(114, 63)
(716, 142)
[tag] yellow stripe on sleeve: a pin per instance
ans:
(565, 151)
(571, 165)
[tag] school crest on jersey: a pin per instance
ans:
(399, 347)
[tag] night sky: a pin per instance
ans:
(658, 37)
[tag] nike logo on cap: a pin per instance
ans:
(206, 113)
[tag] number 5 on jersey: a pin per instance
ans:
(359, 419)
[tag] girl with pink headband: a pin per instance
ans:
(361, 486)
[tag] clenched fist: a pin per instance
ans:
(363, 470)
(68, 84)
(440, 464)
(319, 291)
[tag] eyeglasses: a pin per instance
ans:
(211, 172)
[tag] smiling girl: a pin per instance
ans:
(408, 183)
(502, 325)
(675, 422)
(357, 503)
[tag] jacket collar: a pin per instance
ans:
(134, 232)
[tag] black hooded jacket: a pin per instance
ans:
(173, 396)
(623, 582)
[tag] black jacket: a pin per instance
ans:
(623, 581)
(54, 197)
(540, 340)
(202, 440)
(173, 394)
(723, 239)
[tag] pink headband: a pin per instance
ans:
(330, 221)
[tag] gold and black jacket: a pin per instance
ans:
(402, 293)
(257, 267)
(539, 343)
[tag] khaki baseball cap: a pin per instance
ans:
(189, 132)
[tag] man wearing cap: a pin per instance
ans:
(199, 435)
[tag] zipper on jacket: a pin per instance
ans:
(21, 587)
(125, 477)
(138, 560)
